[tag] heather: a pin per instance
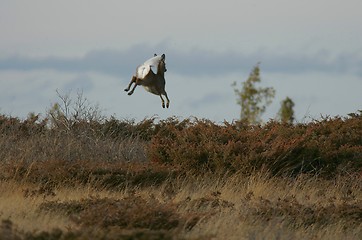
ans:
(85, 176)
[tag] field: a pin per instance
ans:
(84, 177)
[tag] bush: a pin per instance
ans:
(131, 212)
(324, 147)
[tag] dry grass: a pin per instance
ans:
(189, 207)
(70, 178)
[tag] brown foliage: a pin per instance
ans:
(181, 162)
(299, 215)
(325, 147)
(109, 175)
(131, 212)
(8, 231)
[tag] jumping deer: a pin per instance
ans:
(153, 83)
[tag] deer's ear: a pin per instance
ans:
(155, 55)
(163, 56)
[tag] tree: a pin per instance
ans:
(68, 112)
(286, 112)
(253, 100)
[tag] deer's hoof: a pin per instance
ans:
(126, 89)
(130, 93)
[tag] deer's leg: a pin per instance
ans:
(133, 80)
(134, 87)
(168, 100)
(163, 101)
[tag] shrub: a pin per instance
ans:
(129, 213)
(326, 147)
(322, 147)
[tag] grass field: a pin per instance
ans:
(68, 178)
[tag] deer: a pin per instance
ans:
(153, 83)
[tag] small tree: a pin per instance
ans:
(253, 100)
(68, 112)
(286, 112)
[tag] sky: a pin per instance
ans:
(310, 51)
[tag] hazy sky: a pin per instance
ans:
(309, 50)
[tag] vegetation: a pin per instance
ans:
(286, 112)
(82, 176)
(253, 100)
